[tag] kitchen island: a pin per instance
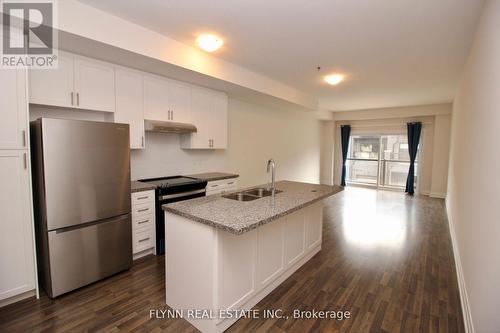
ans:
(224, 255)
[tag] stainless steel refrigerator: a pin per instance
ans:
(81, 180)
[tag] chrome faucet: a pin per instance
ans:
(271, 166)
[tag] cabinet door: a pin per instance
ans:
(218, 129)
(201, 100)
(94, 85)
(13, 105)
(53, 86)
(129, 105)
(16, 233)
(179, 95)
(156, 102)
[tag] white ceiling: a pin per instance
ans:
(393, 52)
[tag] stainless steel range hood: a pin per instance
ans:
(168, 127)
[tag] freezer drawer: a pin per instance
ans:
(80, 256)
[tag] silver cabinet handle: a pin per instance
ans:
(141, 222)
(143, 210)
(142, 141)
(24, 139)
(72, 98)
(142, 198)
(143, 240)
(25, 162)
(78, 99)
(230, 183)
(172, 113)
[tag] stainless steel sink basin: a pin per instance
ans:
(261, 192)
(250, 195)
(241, 197)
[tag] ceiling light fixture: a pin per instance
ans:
(334, 79)
(209, 43)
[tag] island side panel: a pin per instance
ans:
(190, 267)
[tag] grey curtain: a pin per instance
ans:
(345, 132)
(414, 130)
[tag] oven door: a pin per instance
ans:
(162, 199)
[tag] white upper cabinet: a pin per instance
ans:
(129, 104)
(83, 83)
(166, 100)
(179, 95)
(53, 86)
(200, 99)
(209, 115)
(13, 107)
(94, 85)
(78, 82)
(156, 104)
(17, 262)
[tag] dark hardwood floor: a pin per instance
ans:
(386, 258)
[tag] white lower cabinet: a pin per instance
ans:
(222, 186)
(143, 223)
(17, 262)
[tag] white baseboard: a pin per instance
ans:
(464, 300)
(437, 195)
(17, 298)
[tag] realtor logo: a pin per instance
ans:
(29, 39)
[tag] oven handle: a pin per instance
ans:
(180, 195)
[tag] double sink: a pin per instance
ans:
(252, 194)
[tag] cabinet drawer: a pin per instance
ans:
(142, 221)
(216, 185)
(142, 210)
(143, 197)
(142, 239)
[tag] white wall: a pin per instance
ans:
(473, 200)
(440, 155)
(327, 152)
(292, 138)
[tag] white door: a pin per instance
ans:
(13, 108)
(16, 233)
(129, 105)
(94, 85)
(179, 95)
(218, 122)
(201, 100)
(156, 102)
(53, 86)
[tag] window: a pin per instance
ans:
(379, 160)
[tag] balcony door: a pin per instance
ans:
(380, 161)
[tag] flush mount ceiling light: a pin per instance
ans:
(209, 43)
(334, 79)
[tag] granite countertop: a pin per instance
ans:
(136, 186)
(238, 217)
(212, 176)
